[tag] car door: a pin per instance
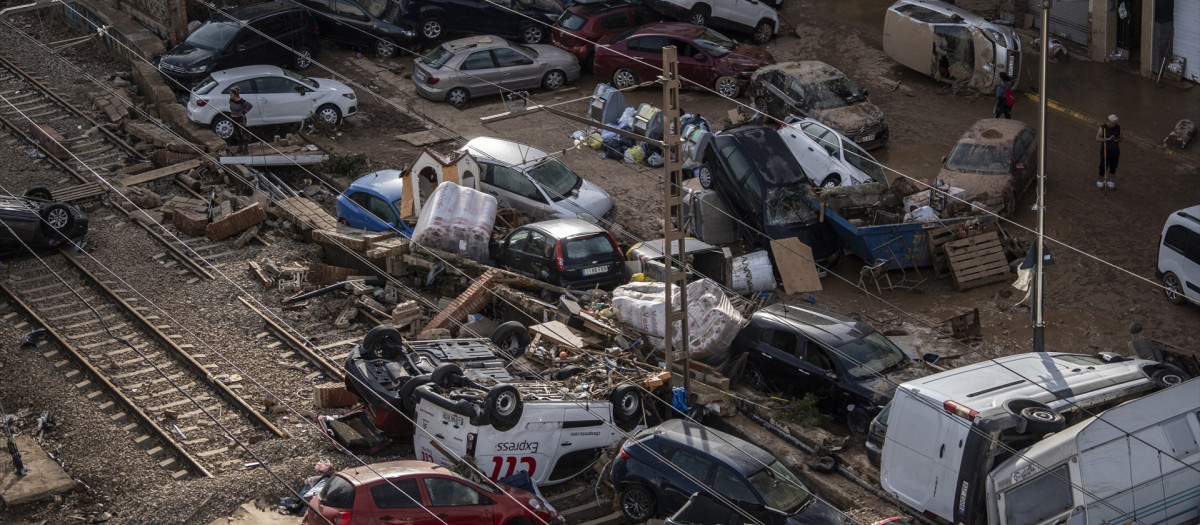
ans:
(1023, 149)
(512, 251)
(646, 53)
(396, 501)
(326, 14)
(734, 14)
(454, 502)
(378, 212)
(691, 473)
(281, 100)
(775, 355)
(479, 73)
(818, 373)
(517, 70)
(247, 48)
(516, 190)
(249, 92)
(489, 17)
(768, 95)
(694, 64)
(824, 148)
(354, 24)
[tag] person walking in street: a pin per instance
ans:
(238, 107)
(1109, 135)
(1004, 97)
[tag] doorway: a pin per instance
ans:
(1129, 29)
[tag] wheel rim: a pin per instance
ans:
(1041, 415)
(1171, 286)
(384, 48)
(533, 35)
(629, 405)
(432, 29)
(705, 177)
(1172, 379)
(763, 34)
(829, 183)
(329, 116)
(224, 129)
(754, 379)
(303, 59)
(458, 98)
(554, 80)
(506, 403)
(636, 504)
(624, 79)
(727, 87)
(696, 19)
(57, 218)
(858, 423)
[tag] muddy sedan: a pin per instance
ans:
(994, 162)
(817, 90)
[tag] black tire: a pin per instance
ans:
(224, 127)
(624, 78)
(459, 98)
(446, 374)
(532, 34)
(626, 406)
(57, 221)
(754, 378)
(568, 372)
(1168, 377)
(302, 58)
(329, 114)
(382, 342)
(408, 392)
(39, 193)
(706, 177)
(858, 421)
(1042, 420)
(699, 15)
(832, 181)
(1173, 288)
(432, 28)
(512, 337)
(763, 32)
(504, 407)
(553, 80)
(636, 502)
(385, 48)
(727, 86)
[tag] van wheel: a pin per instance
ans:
(636, 502)
(504, 407)
(512, 338)
(408, 397)
(1172, 288)
(858, 421)
(382, 342)
(446, 374)
(1168, 377)
(1041, 420)
(627, 406)
(302, 59)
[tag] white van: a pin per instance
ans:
(945, 432)
(1179, 256)
(951, 44)
(1136, 463)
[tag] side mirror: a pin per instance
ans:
(831, 374)
(943, 160)
(301, 90)
(526, 61)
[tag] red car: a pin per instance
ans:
(583, 24)
(421, 493)
(706, 57)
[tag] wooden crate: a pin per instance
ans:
(976, 261)
(938, 237)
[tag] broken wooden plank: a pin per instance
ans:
(160, 173)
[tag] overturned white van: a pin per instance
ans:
(951, 44)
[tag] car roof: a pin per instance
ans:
(806, 70)
(745, 457)
(815, 323)
(562, 228)
(255, 11)
(999, 131)
(503, 151)
(243, 72)
(770, 155)
(1192, 213)
(478, 41)
(679, 29)
(378, 471)
(388, 183)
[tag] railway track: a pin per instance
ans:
(130, 380)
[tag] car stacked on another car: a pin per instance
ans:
(829, 158)
(994, 162)
(36, 221)
(707, 59)
(753, 17)
(815, 89)
(278, 32)
(581, 25)
(374, 24)
(372, 202)
(459, 70)
(571, 253)
(279, 96)
(524, 20)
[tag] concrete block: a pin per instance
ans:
(44, 479)
(190, 222)
(235, 222)
(50, 139)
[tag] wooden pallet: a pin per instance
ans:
(976, 261)
(938, 237)
(80, 192)
(306, 214)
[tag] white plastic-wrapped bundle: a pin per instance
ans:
(713, 322)
(457, 219)
(753, 273)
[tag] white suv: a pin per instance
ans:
(546, 428)
(757, 18)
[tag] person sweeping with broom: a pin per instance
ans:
(1109, 135)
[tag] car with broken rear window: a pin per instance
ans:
(814, 89)
(571, 253)
(37, 221)
(994, 162)
(951, 44)
(582, 24)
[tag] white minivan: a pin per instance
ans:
(1179, 256)
(945, 432)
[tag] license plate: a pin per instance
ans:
(454, 419)
(420, 76)
(595, 270)
(865, 138)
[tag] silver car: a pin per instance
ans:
(462, 69)
(951, 44)
(828, 157)
(530, 180)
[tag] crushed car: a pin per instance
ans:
(814, 89)
(36, 221)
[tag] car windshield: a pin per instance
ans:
(300, 78)
(715, 43)
(834, 93)
(213, 35)
(787, 206)
(556, 177)
(859, 158)
(780, 489)
(571, 21)
(980, 158)
(438, 57)
(587, 249)
(869, 356)
(375, 7)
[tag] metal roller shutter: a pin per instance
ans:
(1068, 19)
(1187, 37)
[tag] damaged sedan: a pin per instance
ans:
(994, 163)
(814, 89)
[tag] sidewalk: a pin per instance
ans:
(1090, 91)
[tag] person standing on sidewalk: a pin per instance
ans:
(238, 107)
(1109, 135)
(1004, 97)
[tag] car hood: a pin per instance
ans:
(548, 53)
(976, 184)
(818, 512)
(748, 58)
(186, 55)
(590, 198)
(853, 119)
(330, 87)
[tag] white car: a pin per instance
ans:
(278, 96)
(828, 157)
(755, 17)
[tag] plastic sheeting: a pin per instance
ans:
(753, 273)
(713, 322)
(457, 219)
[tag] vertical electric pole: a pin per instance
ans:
(1039, 323)
(675, 275)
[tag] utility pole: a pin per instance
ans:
(1039, 323)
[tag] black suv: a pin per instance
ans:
(572, 253)
(526, 20)
(851, 368)
(243, 36)
(374, 24)
(763, 185)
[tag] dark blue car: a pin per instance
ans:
(661, 467)
(373, 203)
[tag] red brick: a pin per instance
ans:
(471, 301)
(190, 222)
(236, 222)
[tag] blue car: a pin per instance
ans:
(373, 203)
(722, 464)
